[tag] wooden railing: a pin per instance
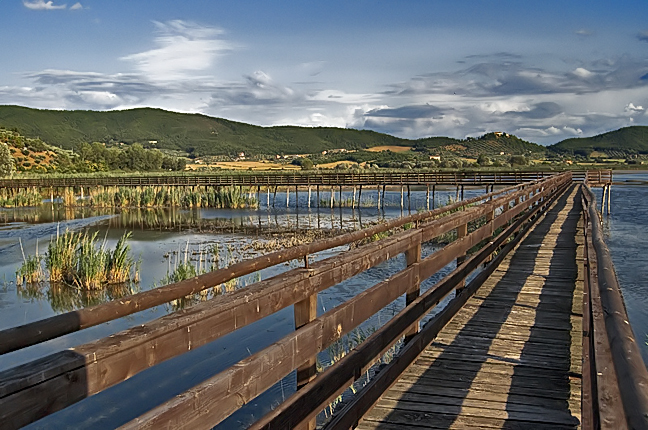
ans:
(271, 179)
(33, 390)
(615, 379)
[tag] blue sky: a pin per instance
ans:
(544, 71)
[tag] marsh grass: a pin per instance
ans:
(20, 198)
(77, 258)
(157, 196)
(31, 270)
(340, 349)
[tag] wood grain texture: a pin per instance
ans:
(511, 357)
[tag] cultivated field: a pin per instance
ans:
(392, 148)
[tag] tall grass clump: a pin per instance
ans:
(61, 256)
(77, 258)
(31, 270)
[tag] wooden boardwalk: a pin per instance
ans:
(511, 357)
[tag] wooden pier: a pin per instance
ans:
(533, 333)
(511, 357)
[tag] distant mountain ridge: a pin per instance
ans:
(200, 135)
(632, 139)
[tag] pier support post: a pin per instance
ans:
(318, 200)
(332, 198)
(309, 197)
(353, 201)
(359, 196)
(609, 194)
(603, 199)
(287, 196)
(268, 198)
(383, 196)
(409, 199)
(378, 195)
(433, 196)
(427, 197)
(402, 191)
(274, 196)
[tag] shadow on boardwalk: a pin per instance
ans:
(505, 360)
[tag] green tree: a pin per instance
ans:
(7, 165)
(518, 160)
(483, 160)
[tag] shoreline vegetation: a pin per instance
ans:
(228, 197)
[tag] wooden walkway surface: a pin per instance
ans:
(511, 358)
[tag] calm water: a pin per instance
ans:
(157, 234)
(626, 234)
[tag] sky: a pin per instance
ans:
(544, 71)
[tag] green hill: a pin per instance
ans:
(192, 133)
(488, 144)
(628, 140)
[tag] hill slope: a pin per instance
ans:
(625, 140)
(488, 144)
(193, 133)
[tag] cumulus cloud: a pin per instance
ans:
(631, 108)
(508, 78)
(183, 48)
(76, 6)
(42, 5)
(541, 110)
(256, 89)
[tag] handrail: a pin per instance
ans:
(294, 411)
(87, 369)
(616, 340)
(58, 325)
(267, 179)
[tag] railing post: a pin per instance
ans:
(305, 312)
(413, 256)
(462, 231)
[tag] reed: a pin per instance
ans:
(76, 258)
(61, 256)
(185, 197)
(20, 198)
(31, 270)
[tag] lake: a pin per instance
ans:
(160, 236)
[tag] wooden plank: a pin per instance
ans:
(502, 381)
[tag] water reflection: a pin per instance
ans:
(65, 298)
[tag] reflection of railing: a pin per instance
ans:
(305, 179)
(615, 379)
(497, 221)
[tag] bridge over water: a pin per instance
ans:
(532, 332)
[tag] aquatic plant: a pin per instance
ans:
(75, 258)
(31, 270)
(20, 198)
(61, 256)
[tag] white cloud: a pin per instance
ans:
(76, 6)
(183, 48)
(582, 73)
(631, 108)
(42, 5)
